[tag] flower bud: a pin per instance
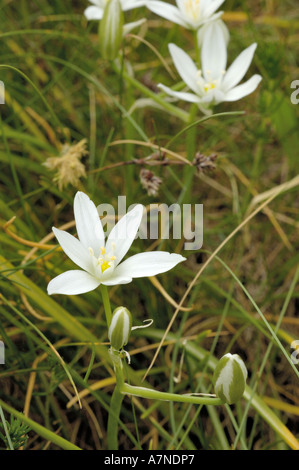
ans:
(111, 29)
(230, 378)
(120, 328)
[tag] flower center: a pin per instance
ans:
(105, 265)
(104, 261)
(192, 8)
(208, 84)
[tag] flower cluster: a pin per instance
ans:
(213, 82)
(102, 260)
(208, 85)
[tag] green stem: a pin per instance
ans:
(156, 395)
(112, 428)
(117, 396)
(115, 407)
(170, 108)
(106, 302)
(9, 443)
(197, 49)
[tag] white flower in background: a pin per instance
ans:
(100, 261)
(96, 11)
(213, 84)
(191, 14)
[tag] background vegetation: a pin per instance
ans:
(239, 293)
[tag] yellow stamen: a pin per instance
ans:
(103, 251)
(193, 8)
(91, 252)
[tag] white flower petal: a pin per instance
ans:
(238, 68)
(73, 249)
(116, 280)
(149, 263)
(185, 66)
(72, 283)
(123, 233)
(210, 6)
(99, 3)
(219, 96)
(93, 13)
(127, 28)
(88, 223)
(213, 52)
(167, 11)
(243, 90)
(181, 95)
(130, 4)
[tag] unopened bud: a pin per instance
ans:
(120, 328)
(230, 378)
(111, 29)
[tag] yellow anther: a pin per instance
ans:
(103, 251)
(113, 258)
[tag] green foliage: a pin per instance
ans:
(17, 431)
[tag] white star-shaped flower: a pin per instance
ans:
(101, 261)
(191, 14)
(213, 84)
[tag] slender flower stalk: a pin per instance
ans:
(122, 388)
(174, 397)
(191, 14)
(213, 84)
(101, 261)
